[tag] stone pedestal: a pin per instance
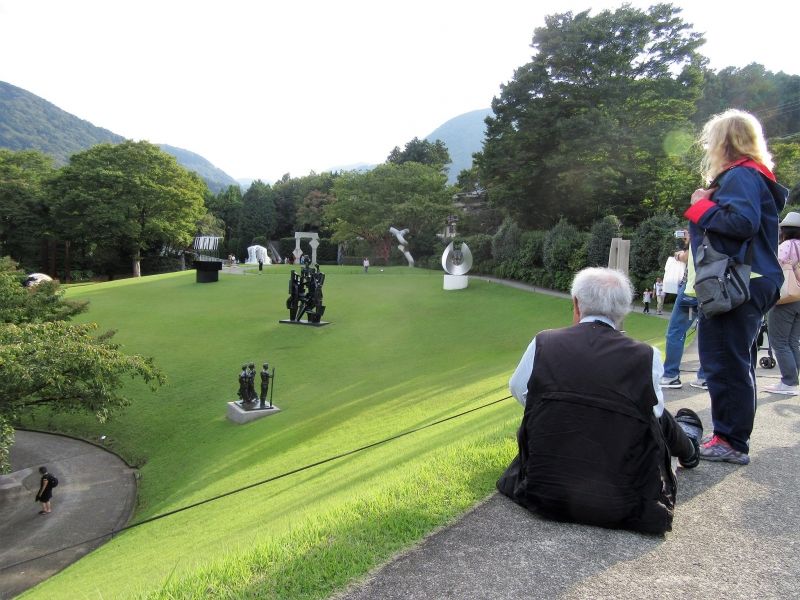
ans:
(456, 282)
(240, 415)
(208, 270)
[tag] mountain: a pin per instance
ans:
(216, 179)
(28, 122)
(463, 135)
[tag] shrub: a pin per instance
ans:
(652, 243)
(505, 243)
(480, 245)
(599, 242)
(564, 253)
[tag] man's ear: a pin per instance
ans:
(576, 311)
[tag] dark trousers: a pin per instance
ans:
(678, 442)
(727, 347)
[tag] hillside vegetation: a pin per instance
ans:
(399, 354)
(28, 122)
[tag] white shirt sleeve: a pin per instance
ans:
(518, 384)
(658, 373)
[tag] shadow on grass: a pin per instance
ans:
(323, 554)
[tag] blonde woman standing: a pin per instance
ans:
(737, 211)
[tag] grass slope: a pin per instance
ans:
(400, 353)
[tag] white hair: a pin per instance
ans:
(603, 292)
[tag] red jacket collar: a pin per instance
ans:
(749, 162)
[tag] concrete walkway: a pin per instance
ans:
(736, 533)
(96, 494)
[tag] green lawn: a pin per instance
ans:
(400, 353)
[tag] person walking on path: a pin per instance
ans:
(45, 492)
(738, 213)
(783, 320)
(659, 293)
(646, 297)
(684, 314)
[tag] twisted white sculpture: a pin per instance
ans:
(403, 243)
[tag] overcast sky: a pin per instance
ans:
(263, 88)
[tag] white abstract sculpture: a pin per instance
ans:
(314, 243)
(456, 262)
(257, 253)
(403, 246)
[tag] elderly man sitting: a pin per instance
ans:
(595, 441)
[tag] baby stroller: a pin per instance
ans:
(767, 362)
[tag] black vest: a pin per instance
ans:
(590, 447)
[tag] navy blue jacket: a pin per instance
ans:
(744, 207)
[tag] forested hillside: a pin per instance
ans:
(28, 122)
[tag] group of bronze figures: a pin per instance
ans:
(305, 299)
(247, 386)
(305, 294)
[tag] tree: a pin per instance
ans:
(24, 206)
(579, 130)
(258, 216)
(409, 195)
(771, 97)
(291, 193)
(787, 167)
(227, 206)
(36, 304)
(433, 154)
(130, 196)
(311, 213)
(46, 361)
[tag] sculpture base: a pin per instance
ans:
(456, 282)
(240, 415)
(290, 322)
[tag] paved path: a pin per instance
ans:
(736, 533)
(95, 495)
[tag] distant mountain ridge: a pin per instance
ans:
(28, 122)
(463, 135)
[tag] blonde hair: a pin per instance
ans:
(729, 136)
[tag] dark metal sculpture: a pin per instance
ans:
(305, 295)
(251, 383)
(244, 393)
(265, 377)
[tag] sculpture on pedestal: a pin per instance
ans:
(250, 406)
(305, 295)
(456, 262)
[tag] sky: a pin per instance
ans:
(263, 88)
